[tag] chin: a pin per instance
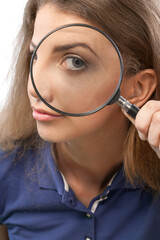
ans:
(50, 137)
(54, 134)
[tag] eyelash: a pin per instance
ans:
(73, 57)
(66, 58)
(31, 53)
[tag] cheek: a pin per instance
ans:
(69, 128)
(100, 120)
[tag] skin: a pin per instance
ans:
(149, 127)
(86, 145)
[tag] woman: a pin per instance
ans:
(69, 181)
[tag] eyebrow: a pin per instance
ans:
(73, 45)
(66, 47)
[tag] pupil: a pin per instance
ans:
(77, 62)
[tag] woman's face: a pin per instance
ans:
(70, 73)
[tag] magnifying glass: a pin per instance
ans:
(82, 68)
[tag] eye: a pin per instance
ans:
(74, 63)
(31, 53)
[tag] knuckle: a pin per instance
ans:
(152, 141)
(153, 144)
(150, 104)
(142, 136)
(156, 117)
(140, 126)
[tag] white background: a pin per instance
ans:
(11, 16)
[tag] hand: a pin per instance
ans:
(147, 123)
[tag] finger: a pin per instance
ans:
(141, 135)
(154, 131)
(144, 118)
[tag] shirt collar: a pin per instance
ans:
(120, 181)
(49, 176)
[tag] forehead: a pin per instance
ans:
(49, 17)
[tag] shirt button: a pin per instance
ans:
(72, 201)
(88, 238)
(89, 215)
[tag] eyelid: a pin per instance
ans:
(31, 53)
(32, 45)
(72, 55)
(31, 49)
(68, 57)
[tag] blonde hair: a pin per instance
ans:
(135, 28)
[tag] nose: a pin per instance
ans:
(42, 85)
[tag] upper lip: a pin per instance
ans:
(40, 110)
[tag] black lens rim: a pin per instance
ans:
(110, 101)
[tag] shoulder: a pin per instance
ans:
(20, 158)
(22, 174)
(9, 160)
(9, 166)
(18, 174)
(20, 162)
(15, 165)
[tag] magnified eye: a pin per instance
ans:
(74, 63)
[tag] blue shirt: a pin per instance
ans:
(37, 204)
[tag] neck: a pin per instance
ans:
(94, 158)
(88, 163)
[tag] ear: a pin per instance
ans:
(138, 88)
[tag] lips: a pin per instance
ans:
(39, 110)
(43, 115)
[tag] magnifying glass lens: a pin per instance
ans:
(76, 70)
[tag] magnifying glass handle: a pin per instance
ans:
(131, 109)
